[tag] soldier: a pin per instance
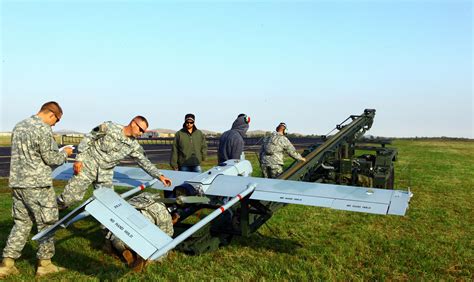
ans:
(155, 211)
(231, 143)
(34, 151)
(271, 152)
(100, 151)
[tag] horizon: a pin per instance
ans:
(257, 132)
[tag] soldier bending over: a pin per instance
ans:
(100, 151)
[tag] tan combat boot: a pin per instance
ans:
(139, 264)
(128, 256)
(8, 268)
(45, 266)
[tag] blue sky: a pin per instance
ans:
(307, 63)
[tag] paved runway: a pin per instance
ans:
(160, 153)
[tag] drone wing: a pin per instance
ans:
(131, 176)
(127, 223)
(350, 198)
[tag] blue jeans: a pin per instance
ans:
(190, 168)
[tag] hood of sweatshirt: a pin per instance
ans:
(240, 124)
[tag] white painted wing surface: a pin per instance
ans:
(351, 198)
(125, 222)
(135, 176)
(131, 176)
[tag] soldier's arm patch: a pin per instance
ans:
(103, 128)
(99, 131)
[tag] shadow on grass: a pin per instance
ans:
(263, 242)
(92, 265)
(28, 253)
(91, 233)
(6, 227)
(97, 263)
(100, 267)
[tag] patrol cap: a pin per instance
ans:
(189, 117)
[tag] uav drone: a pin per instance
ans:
(227, 184)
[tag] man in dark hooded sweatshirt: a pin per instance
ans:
(231, 143)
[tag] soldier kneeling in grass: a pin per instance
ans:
(155, 211)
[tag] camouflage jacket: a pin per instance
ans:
(273, 147)
(153, 210)
(34, 150)
(107, 145)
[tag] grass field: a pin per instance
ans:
(434, 241)
(5, 141)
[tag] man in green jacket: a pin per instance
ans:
(189, 147)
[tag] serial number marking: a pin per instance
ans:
(130, 235)
(119, 226)
(359, 207)
(117, 205)
(291, 199)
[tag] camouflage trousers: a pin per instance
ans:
(91, 173)
(32, 205)
(271, 171)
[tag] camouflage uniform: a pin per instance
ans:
(100, 151)
(271, 154)
(34, 150)
(153, 210)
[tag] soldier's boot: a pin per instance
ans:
(108, 248)
(61, 204)
(8, 268)
(45, 267)
(128, 256)
(139, 264)
(175, 218)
